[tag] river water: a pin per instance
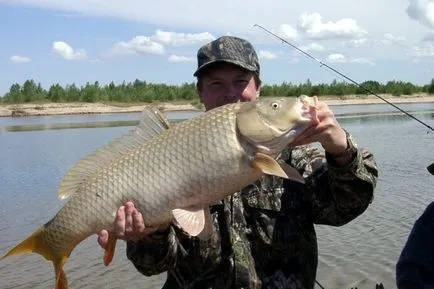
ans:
(35, 152)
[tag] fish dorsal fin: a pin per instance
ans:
(191, 220)
(152, 122)
(270, 166)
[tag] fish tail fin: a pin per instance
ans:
(30, 244)
(35, 243)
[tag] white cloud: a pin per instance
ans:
(422, 11)
(313, 26)
(20, 59)
(424, 52)
(340, 19)
(337, 57)
(178, 39)
(178, 58)
(313, 47)
(391, 39)
(136, 46)
(287, 32)
(357, 42)
(264, 54)
(363, 61)
(155, 44)
(340, 58)
(66, 52)
(234, 16)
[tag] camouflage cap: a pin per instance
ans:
(228, 49)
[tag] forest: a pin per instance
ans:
(142, 91)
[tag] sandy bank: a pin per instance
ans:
(32, 109)
(353, 99)
(29, 109)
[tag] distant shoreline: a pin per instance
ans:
(74, 108)
(44, 109)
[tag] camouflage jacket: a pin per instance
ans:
(264, 235)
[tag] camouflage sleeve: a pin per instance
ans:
(156, 253)
(338, 194)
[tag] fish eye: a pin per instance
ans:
(275, 105)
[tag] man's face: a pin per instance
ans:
(225, 84)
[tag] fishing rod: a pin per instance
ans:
(430, 168)
(346, 77)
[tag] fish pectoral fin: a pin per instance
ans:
(292, 173)
(191, 220)
(209, 228)
(268, 165)
(110, 250)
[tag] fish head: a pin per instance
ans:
(271, 124)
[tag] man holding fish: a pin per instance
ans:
(262, 236)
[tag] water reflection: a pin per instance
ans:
(383, 118)
(83, 121)
(55, 126)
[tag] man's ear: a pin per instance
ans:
(198, 90)
(258, 92)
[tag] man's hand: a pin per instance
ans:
(129, 226)
(328, 132)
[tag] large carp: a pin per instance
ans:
(171, 173)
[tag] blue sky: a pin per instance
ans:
(78, 41)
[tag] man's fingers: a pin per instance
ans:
(129, 225)
(138, 223)
(120, 222)
(103, 239)
(129, 209)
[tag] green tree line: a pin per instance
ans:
(142, 91)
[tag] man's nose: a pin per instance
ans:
(231, 93)
(231, 98)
